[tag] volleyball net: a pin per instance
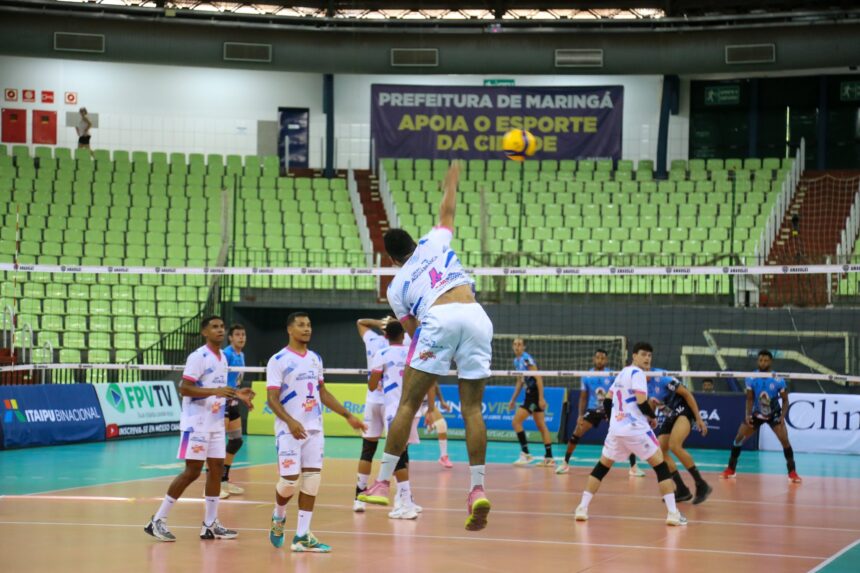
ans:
(103, 323)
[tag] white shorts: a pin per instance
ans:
(458, 331)
(374, 417)
(619, 448)
(202, 445)
(297, 455)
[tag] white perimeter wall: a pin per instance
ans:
(167, 108)
(214, 110)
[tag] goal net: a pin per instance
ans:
(558, 352)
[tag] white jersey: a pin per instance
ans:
(205, 368)
(298, 377)
(627, 419)
(431, 271)
(373, 343)
(391, 361)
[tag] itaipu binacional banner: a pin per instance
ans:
(468, 122)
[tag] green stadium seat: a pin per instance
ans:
(147, 324)
(75, 340)
(100, 323)
(712, 247)
(99, 340)
(70, 356)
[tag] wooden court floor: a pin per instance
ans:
(755, 523)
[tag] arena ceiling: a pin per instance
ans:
(512, 12)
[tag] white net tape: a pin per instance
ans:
(485, 271)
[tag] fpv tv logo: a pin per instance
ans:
(12, 411)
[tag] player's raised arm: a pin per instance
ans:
(449, 198)
(365, 324)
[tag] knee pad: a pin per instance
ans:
(368, 450)
(441, 426)
(403, 462)
(600, 471)
(286, 488)
(663, 472)
(310, 483)
(233, 445)
(234, 441)
(574, 439)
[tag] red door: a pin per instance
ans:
(14, 126)
(44, 127)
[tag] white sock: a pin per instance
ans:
(586, 499)
(165, 508)
(362, 480)
(443, 448)
(211, 510)
(304, 522)
(389, 462)
(477, 474)
(669, 498)
(280, 511)
(404, 492)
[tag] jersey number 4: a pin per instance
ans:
(435, 277)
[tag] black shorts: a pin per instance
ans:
(665, 428)
(84, 140)
(532, 401)
(232, 412)
(758, 420)
(594, 417)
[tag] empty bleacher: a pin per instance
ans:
(587, 212)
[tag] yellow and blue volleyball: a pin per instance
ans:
(519, 144)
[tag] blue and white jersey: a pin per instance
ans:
(206, 368)
(431, 271)
(373, 343)
(391, 363)
(766, 395)
(233, 359)
(597, 388)
(523, 363)
(627, 419)
(298, 377)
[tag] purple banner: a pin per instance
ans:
(468, 122)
